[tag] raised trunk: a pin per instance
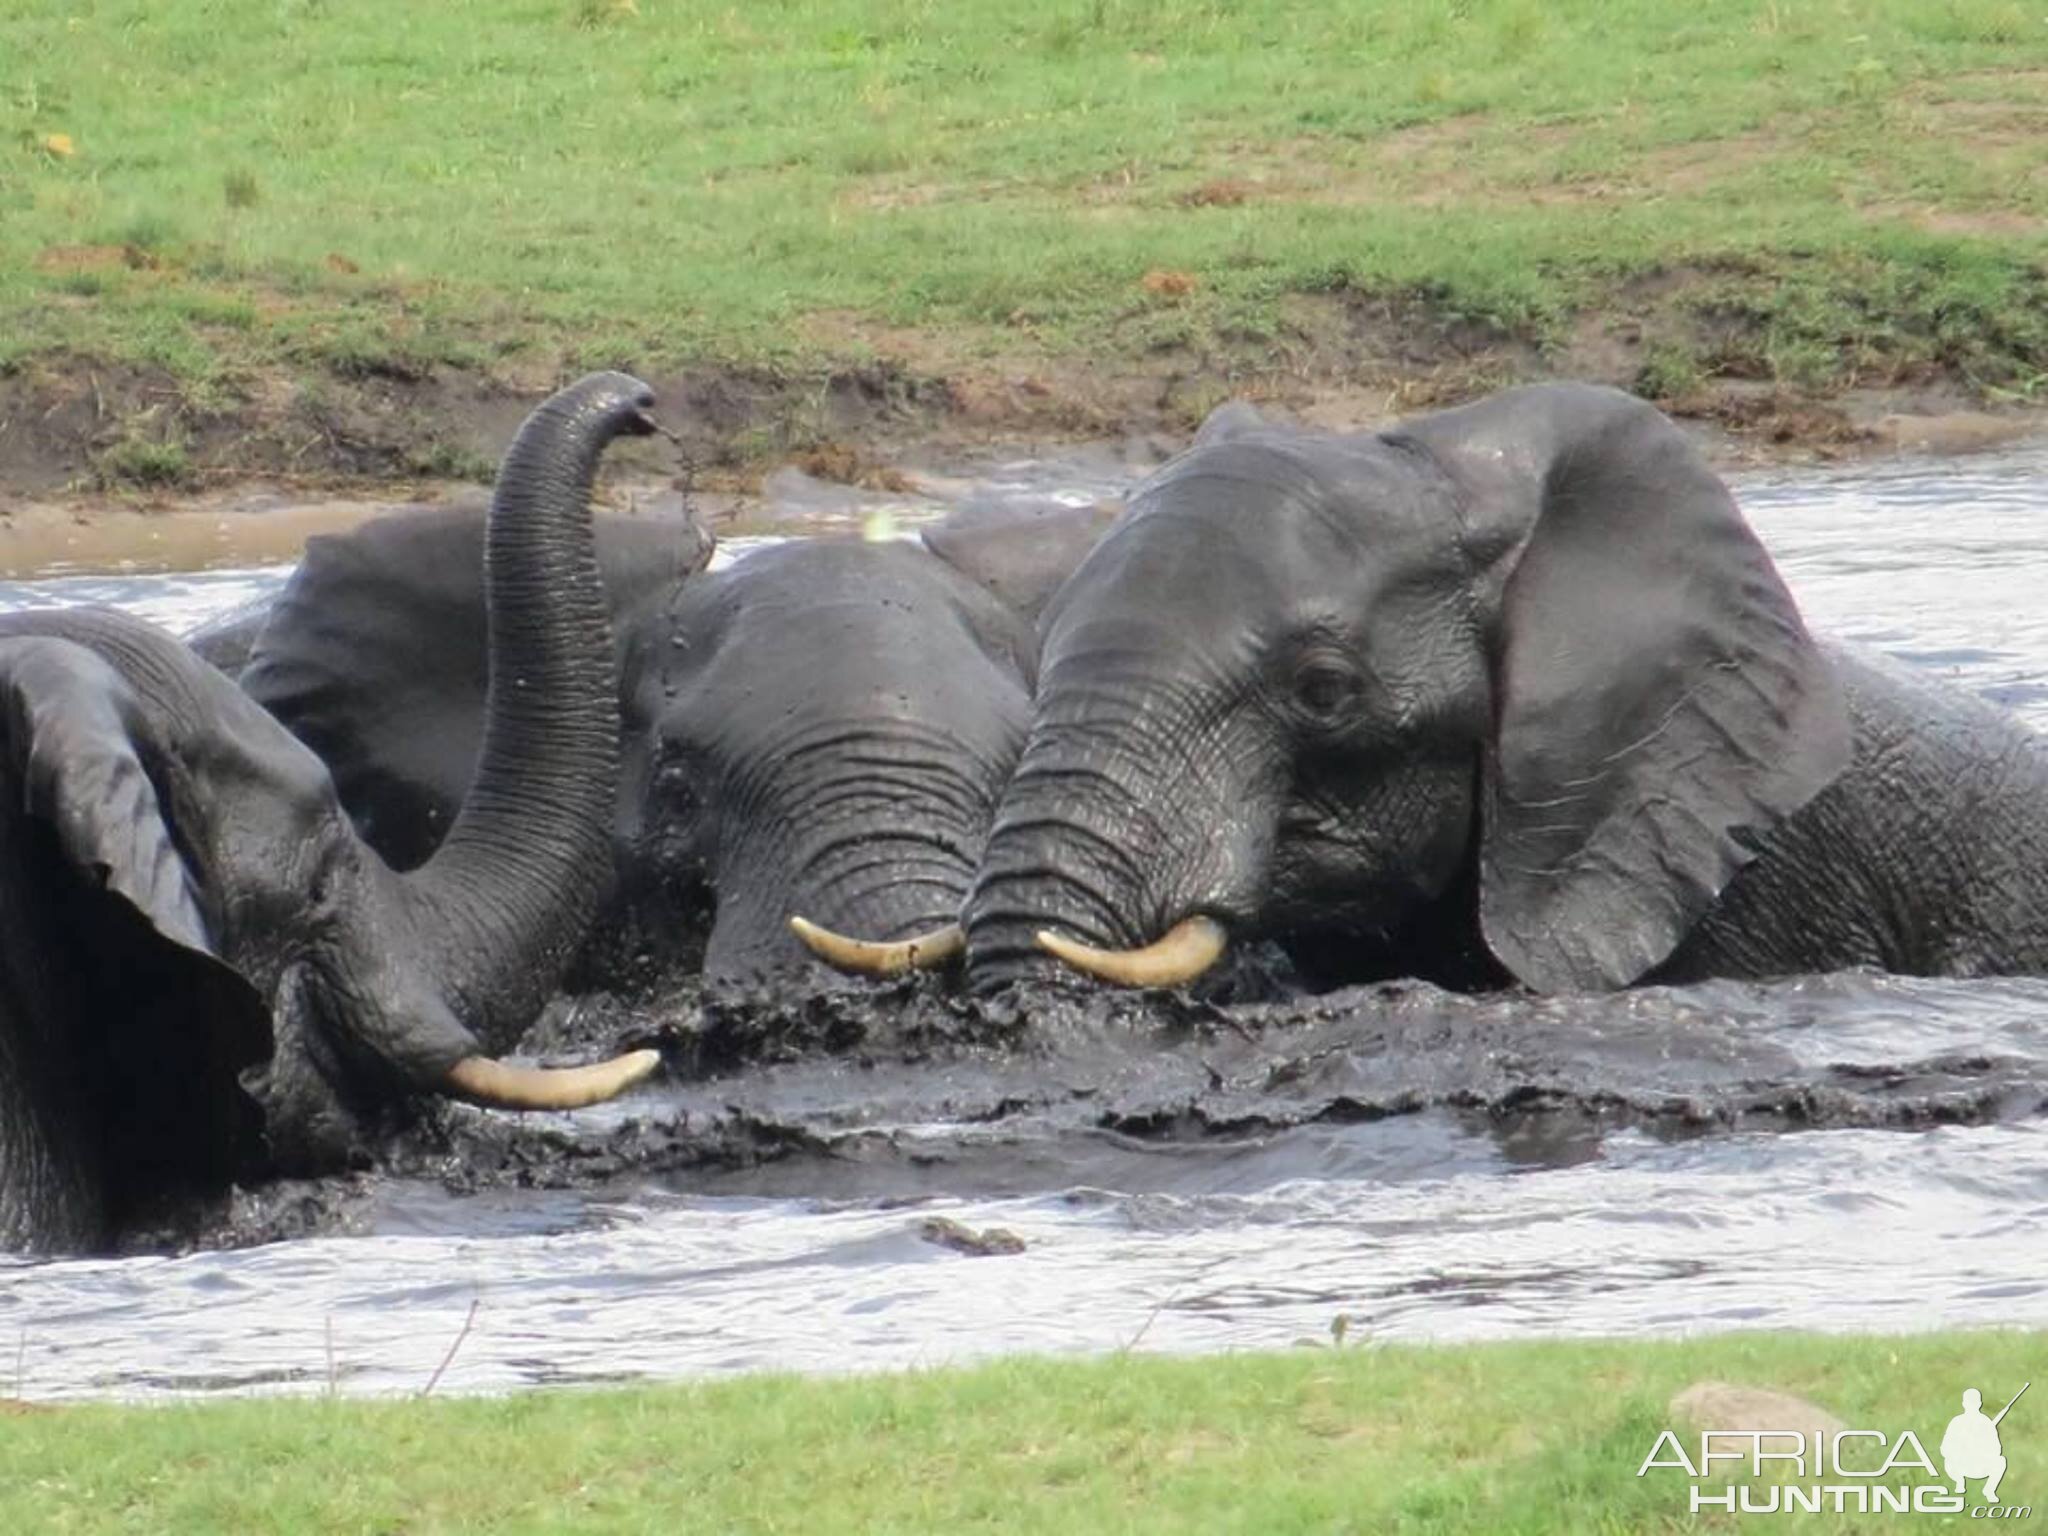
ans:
(510, 892)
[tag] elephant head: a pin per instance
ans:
(813, 738)
(204, 971)
(1510, 688)
(816, 738)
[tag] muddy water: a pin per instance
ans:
(1834, 1152)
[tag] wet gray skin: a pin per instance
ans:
(205, 975)
(1850, 1151)
(818, 731)
(1508, 693)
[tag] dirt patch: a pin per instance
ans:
(905, 398)
(1952, 221)
(1169, 285)
(71, 423)
(94, 258)
(1230, 192)
(845, 464)
(1454, 161)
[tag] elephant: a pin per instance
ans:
(813, 738)
(375, 653)
(205, 974)
(1505, 694)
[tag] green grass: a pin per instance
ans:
(1517, 1438)
(1858, 187)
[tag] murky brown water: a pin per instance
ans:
(1837, 1152)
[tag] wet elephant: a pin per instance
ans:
(1509, 692)
(205, 974)
(401, 600)
(818, 732)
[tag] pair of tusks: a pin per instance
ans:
(1189, 948)
(495, 1085)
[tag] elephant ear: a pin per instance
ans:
(376, 656)
(1022, 559)
(127, 1029)
(1658, 703)
(69, 727)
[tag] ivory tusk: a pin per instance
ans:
(860, 957)
(493, 1084)
(1189, 948)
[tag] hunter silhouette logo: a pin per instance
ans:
(1807, 1471)
(1971, 1448)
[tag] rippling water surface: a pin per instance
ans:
(1843, 1152)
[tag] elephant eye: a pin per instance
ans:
(1323, 689)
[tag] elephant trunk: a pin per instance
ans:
(884, 855)
(1051, 865)
(1069, 852)
(507, 897)
(1129, 843)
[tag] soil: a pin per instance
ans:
(74, 430)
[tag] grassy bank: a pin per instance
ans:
(1501, 1438)
(252, 196)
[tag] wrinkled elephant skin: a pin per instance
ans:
(1505, 693)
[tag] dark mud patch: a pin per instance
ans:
(907, 1091)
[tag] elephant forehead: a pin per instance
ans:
(1369, 485)
(843, 666)
(1232, 532)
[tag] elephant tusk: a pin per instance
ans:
(861, 957)
(493, 1084)
(1190, 948)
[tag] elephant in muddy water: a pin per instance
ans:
(818, 732)
(205, 974)
(1508, 693)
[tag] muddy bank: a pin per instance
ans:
(70, 423)
(251, 524)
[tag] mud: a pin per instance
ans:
(909, 1089)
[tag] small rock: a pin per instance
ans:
(948, 1233)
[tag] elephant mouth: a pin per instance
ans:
(1186, 951)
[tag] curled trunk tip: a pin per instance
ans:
(862, 957)
(1192, 946)
(498, 1085)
